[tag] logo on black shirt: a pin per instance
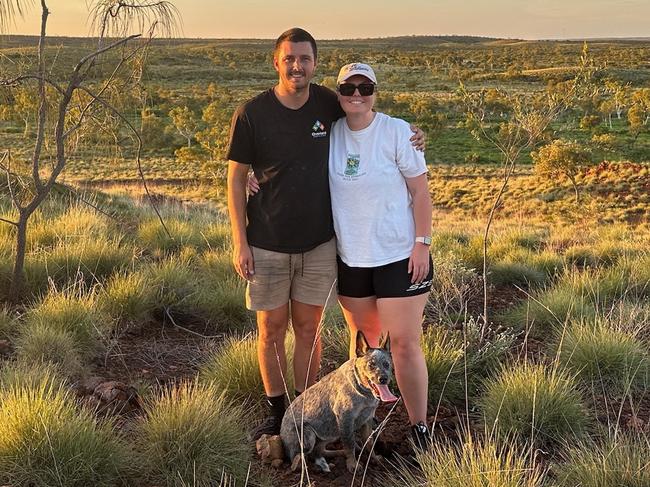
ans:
(318, 130)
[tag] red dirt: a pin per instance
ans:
(158, 354)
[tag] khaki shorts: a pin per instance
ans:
(307, 278)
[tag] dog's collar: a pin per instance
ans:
(358, 384)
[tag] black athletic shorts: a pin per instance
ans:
(387, 281)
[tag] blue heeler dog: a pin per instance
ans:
(336, 407)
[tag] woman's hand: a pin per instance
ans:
(253, 184)
(419, 263)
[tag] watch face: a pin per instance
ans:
(427, 240)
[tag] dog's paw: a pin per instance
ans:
(321, 463)
(295, 463)
(351, 463)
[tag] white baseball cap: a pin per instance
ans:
(352, 69)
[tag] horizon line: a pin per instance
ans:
(571, 39)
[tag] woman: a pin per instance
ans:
(382, 219)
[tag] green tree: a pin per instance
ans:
(638, 114)
(562, 159)
(619, 95)
(214, 137)
(185, 123)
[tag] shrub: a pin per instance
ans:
(128, 298)
(609, 359)
(45, 440)
(234, 369)
(190, 435)
(534, 404)
(472, 463)
(453, 286)
(561, 158)
(617, 461)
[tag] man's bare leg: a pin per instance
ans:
(305, 319)
(272, 328)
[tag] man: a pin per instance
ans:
(283, 236)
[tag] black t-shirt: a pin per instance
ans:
(288, 151)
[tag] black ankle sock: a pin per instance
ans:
(276, 406)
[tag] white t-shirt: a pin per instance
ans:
(371, 204)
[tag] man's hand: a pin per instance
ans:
(418, 139)
(242, 259)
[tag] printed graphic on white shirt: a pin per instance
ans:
(352, 165)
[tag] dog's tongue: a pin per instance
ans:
(385, 394)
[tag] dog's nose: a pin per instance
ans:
(383, 379)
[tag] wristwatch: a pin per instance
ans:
(423, 240)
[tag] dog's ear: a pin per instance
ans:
(362, 344)
(385, 343)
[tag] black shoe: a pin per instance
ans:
(421, 436)
(270, 426)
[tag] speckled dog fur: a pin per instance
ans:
(336, 407)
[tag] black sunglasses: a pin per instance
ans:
(348, 89)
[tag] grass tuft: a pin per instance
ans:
(621, 461)
(190, 434)
(73, 313)
(509, 273)
(31, 375)
(608, 359)
(221, 303)
(128, 298)
(458, 362)
(8, 325)
(472, 463)
(234, 369)
(45, 440)
(547, 310)
(534, 404)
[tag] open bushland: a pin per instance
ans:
(129, 358)
(132, 349)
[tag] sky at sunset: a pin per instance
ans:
(547, 19)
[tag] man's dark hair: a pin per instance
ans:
(296, 34)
